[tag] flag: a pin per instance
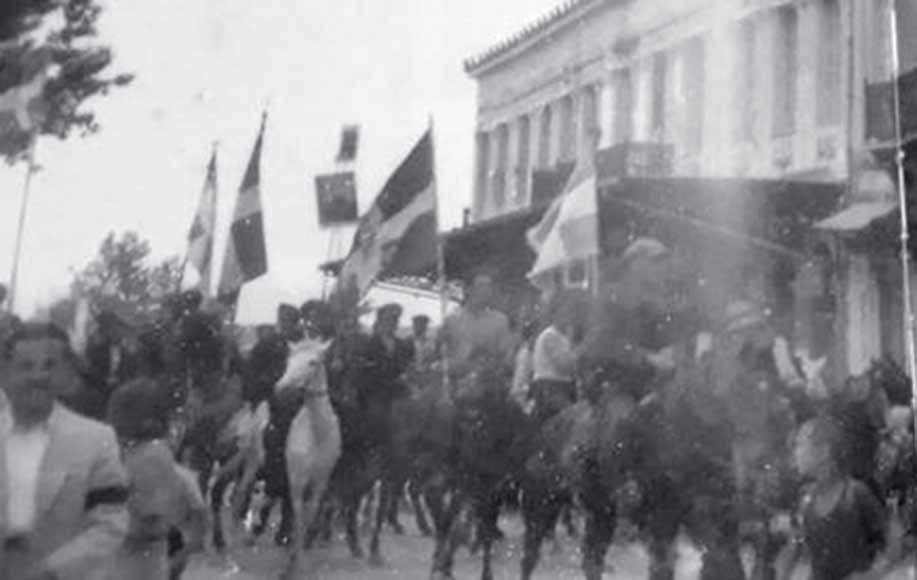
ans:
(569, 229)
(337, 198)
(350, 138)
(246, 254)
(200, 237)
(397, 236)
(22, 106)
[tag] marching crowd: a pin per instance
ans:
(93, 478)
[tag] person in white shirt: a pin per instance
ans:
(62, 484)
(554, 359)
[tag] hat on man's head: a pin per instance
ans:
(644, 248)
(742, 315)
(390, 309)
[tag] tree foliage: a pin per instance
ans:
(70, 45)
(122, 276)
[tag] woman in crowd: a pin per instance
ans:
(842, 522)
(168, 514)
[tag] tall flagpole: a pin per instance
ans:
(902, 210)
(440, 253)
(23, 210)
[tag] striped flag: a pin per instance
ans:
(200, 237)
(569, 229)
(397, 236)
(246, 254)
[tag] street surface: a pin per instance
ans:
(408, 557)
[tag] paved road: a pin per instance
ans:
(408, 557)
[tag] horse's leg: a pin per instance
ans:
(568, 520)
(387, 496)
(600, 529)
(540, 513)
(444, 510)
(394, 503)
(416, 503)
(216, 510)
(488, 514)
(296, 501)
(288, 519)
(264, 517)
(350, 506)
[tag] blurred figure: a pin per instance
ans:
(168, 517)
(554, 359)
(477, 335)
(63, 484)
(842, 521)
(424, 344)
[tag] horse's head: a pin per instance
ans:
(305, 366)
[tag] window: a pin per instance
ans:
(590, 131)
(830, 52)
(567, 130)
(522, 159)
(693, 81)
(657, 113)
(544, 141)
(786, 73)
(499, 175)
(746, 85)
(483, 159)
(623, 110)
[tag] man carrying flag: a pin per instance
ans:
(200, 237)
(246, 254)
(397, 237)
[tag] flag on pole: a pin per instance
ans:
(350, 139)
(200, 237)
(569, 229)
(246, 254)
(397, 236)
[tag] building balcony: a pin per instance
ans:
(880, 110)
(634, 159)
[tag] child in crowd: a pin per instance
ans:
(842, 521)
(168, 514)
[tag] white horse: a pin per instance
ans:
(313, 446)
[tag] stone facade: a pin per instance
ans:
(739, 88)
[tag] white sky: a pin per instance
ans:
(204, 70)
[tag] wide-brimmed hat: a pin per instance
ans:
(742, 315)
(644, 248)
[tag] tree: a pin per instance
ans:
(121, 275)
(70, 47)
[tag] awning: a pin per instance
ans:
(857, 216)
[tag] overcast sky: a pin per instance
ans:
(204, 70)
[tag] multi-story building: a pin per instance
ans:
(738, 88)
(765, 90)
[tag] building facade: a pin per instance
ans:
(738, 88)
(761, 89)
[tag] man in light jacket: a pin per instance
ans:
(62, 485)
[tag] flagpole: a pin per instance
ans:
(440, 253)
(23, 210)
(908, 321)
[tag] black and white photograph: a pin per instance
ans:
(453, 290)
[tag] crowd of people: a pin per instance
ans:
(110, 453)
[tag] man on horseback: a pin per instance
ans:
(477, 333)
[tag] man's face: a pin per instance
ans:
(482, 290)
(288, 324)
(35, 378)
(420, 328)
(388, 324)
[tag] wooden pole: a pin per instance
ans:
(440, 257)
(23, 211)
